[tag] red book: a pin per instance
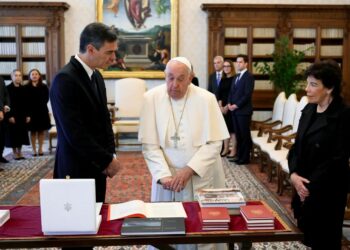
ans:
(215, 214)
(257, 212)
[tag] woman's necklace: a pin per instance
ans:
(176, 137)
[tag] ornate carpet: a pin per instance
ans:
(19, 185)
(20, 176)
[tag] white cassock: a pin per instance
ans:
(201, 131)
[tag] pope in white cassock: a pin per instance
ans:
(181, 131)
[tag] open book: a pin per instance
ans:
(141, 209)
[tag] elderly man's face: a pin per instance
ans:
(178, 78)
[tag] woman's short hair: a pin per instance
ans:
(329, 72)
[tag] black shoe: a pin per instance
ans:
(1, 169)
(235, 159)
(3, 160)
(232, 158)
(242, 162)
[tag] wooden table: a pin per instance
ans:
(23, 230)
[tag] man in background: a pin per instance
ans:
(240, 105)
(85, 146)
(215, 78)
(4, 108)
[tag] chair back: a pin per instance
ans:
(302, 103)
(278, 106)
(128, 97)
(289, 111)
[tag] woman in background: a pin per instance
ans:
(319, 159)
(222, 96)
(38, 97)
(18, 117)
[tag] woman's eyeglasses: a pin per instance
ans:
(227, 66)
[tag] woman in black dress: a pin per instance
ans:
(222, 96)
(38, 97)
(18, 117)
(319, 159)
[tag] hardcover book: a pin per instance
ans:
(258, 221)
(140, 209)
(215, 214)
(153, 226)
(257, 212)
(230, 199)
(4, 216)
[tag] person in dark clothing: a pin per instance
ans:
(241, 107)
(222, 97)
(18, 117)
(86, 145)
(38, 97)
(319, 159)
(215, 77)
(4, 108)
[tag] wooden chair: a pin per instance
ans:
(273, 122)
(52, 132)
(264, 143)
(128, 101)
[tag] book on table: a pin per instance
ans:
(153, 226)
(4, 216)
(228, 199)
(141, 209)
(214, 218)
(258, 217)
(215, 214)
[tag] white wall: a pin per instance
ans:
(193, 35)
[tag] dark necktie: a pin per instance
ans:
(218, 78)
(237, 78)
(94, 85)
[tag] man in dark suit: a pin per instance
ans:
(85, 146)
(215, 78)
(240, 105)
(4, 108)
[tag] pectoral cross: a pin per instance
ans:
(175, 138)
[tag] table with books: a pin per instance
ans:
(23, 230)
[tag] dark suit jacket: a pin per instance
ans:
(241, 94)
(4, 96)
(85, 137)
(212, 85)
(321, 154)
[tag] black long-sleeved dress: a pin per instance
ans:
(38, 98)
(17, 134)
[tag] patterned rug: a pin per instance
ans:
(18, 177)
(132, 182)
(253, 189)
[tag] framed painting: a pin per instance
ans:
(147, 35)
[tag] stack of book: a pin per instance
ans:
(215, 218)
(229, 198)
(258, 217)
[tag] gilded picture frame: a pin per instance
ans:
(147, 35)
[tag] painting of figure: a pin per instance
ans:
(145, 35)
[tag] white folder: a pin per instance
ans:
(68, 207)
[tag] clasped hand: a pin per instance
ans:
(299, 185)
(179, 181)
(232, 107)
(113, 168)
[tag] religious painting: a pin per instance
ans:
(147, 35)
